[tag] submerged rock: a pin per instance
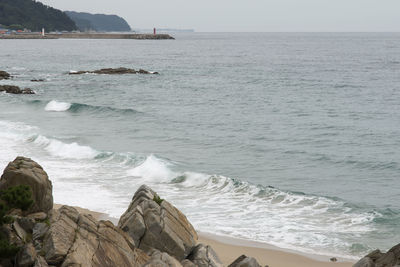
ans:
(12, 89)
(24, 171)
(4, 75)
(155, 223)
(37, 80)
(113, 71)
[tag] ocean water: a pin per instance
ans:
(287, 139)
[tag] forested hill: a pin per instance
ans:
(33, 15)
(99, 22)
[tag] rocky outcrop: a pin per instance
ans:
(12, 89)
(378, 259)
(155, 223)
(24, 171)
(244, 261)
(113, 71)
(4, 75)
(74, 239)
(151, 233)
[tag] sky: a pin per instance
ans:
(248, 15)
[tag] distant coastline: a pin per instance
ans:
(136, 36)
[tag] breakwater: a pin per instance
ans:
(90, 36)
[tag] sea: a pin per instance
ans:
(289, 139)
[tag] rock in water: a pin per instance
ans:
(11, 89)
(112, 71)
(24, 171)
(155, 223)
(4, 75)
(244, 261)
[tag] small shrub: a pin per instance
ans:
(19, 197)
(157, 199)
(7, 250)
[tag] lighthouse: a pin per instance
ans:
(43, 32)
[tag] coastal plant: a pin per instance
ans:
(15, 197)
(7, 250)
(157, 199)
(18, 197)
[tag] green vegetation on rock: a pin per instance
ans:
(157, 199)
(7, 250)
(33, 15)
(17, 197)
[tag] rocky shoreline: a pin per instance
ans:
(151, 232)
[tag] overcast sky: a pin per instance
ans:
(248, 15)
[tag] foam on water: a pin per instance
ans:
(63, 150)
(54, 105)
(106, 181)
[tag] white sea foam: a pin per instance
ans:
(64, 150)
(153, 169)
(54, 105)
(213, 203)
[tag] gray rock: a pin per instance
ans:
(159, 258)
(12, 89)
(187, 263)
(204, 256)
(38, 216)
(39, 231)
(114, 71)
(244, 261)
(19, 231)
(24, 171)
(378, 259)
(4, 75)
(387, 259)
(365, 262)
(26, 256)
(26, 223)
(158, 224)
(40, 262)
(79, 240)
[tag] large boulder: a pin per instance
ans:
(79, 240)
(4, 75)
(155, 223)
(24, 171)
(244, 261)
(12, 89)
(379, 259)
(162, 259)
(204, 256)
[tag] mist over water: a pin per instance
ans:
(287, 139)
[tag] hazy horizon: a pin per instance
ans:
(250, 16)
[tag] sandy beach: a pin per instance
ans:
(228, 249)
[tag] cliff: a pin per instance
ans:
(98, 22)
